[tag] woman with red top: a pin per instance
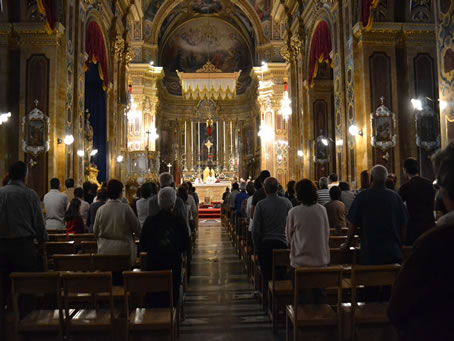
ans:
(74, 221)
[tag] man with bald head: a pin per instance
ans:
(268, 227)
(380, 215)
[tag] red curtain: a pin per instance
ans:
(320, 50)
(48, 9)
(94, 45)
(366, 12)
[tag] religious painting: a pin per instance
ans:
(201, 40)
(321, 150)
(262, 8)
(35, 128)
(427, 129)
(151, 7)
(383, 124)
(207, 6)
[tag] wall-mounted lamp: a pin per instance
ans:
(151, 63)
(120, 158)
(80, 153)
(443, 105)
(4, 117)
(339, 143)
(325, 141)
(300, 153)
(355, 131)
(94, 152)
(265, 133)
(68, 140)
(417, 104)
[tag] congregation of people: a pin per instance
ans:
(163, 220)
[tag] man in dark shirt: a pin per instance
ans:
(418, 194)
(423, 295)
(381, 217)
(22, 228)
(164, 238)
(260, 192)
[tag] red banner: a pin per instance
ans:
(48, 9)
(320, 49)
(96, 50)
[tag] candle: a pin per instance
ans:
(231, 138)
(198, 149)
(185, 139)
(217, 139)
(192, 143)
(224, 137)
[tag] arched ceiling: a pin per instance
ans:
(191, 44)
(235, 30)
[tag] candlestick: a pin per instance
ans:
(185, 140)
(231, 138)
(198, 149)
(217, 140)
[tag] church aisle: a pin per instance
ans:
(219, 302)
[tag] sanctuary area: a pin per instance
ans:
(226, 169)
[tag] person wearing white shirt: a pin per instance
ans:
(55, 203)
(148, 191)
(307, 229)
(116, 224)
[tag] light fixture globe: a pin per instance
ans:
(69, 139)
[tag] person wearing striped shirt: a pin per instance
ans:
(323, 192)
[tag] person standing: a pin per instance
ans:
(290, 193)
(423, 295)
(323, 192)
(166, 180)
(88, 196)
(147, 191)
(22, 228)
(336, 210)
(260, 192)
(419, 195)
(165, 238)
(84, 206)
(333, 180)
(307, 229)
(347, 196)
(69, 184)
(55, 203)
(268, 229)
(74, 221)
(102, 198)
(381, 217)
(116, 224)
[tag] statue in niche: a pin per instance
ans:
(88, 134)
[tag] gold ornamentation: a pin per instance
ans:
(128, 55)
(285, 53)
(118, 46)
(208, 68)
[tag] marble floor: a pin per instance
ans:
(220, 304)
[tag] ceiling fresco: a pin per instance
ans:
(195, 42)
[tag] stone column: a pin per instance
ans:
(273, 127)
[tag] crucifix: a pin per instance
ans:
(148, 132)
(169, 165)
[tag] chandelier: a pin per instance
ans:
(209, 82)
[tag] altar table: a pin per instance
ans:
(209, 193)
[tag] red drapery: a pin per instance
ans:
(94, 45)
(48, 9)
(366, 12)
(320, 50)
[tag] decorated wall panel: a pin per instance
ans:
(381, 87)
(37, 89)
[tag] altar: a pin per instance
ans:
(209, 193)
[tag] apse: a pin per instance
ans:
(204, 39)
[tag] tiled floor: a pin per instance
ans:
(219, 303)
